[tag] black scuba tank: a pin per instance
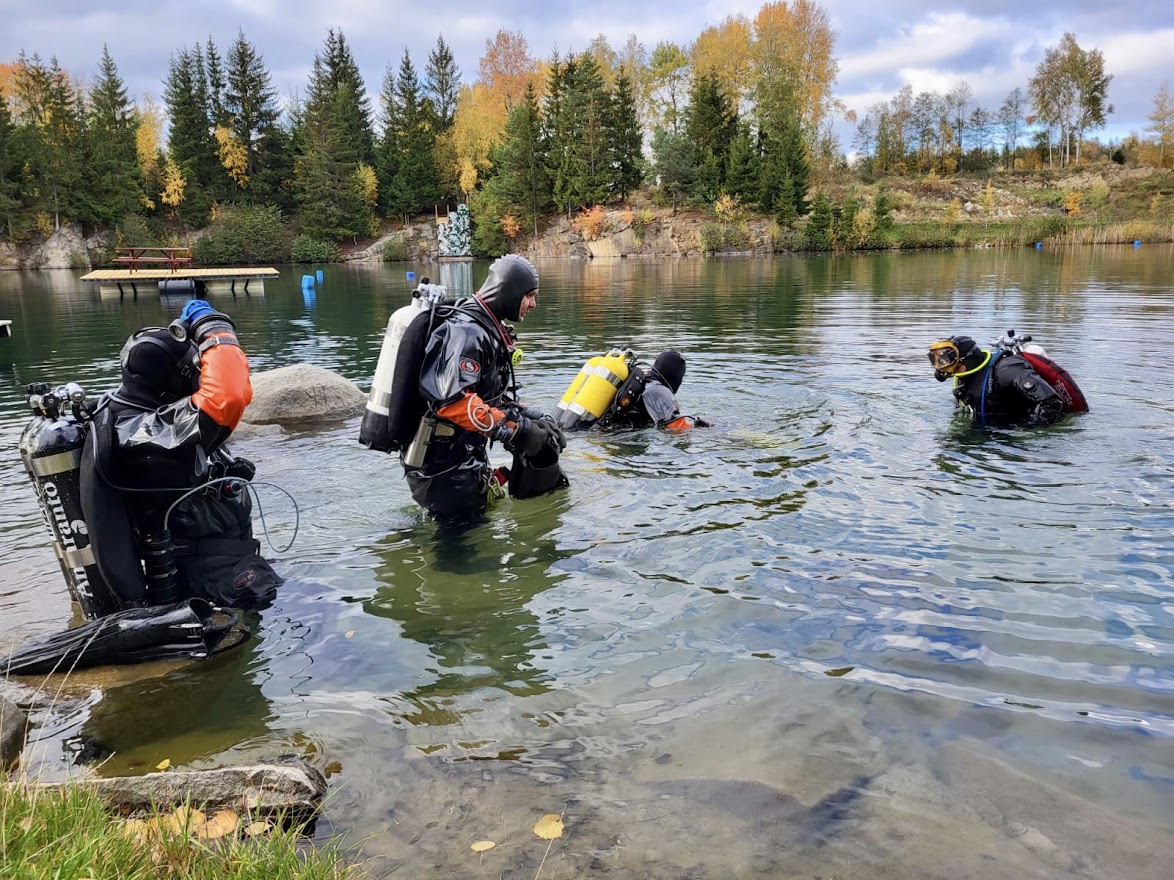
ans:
(51, 450)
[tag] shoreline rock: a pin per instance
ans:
(302, 393)
(261, 789)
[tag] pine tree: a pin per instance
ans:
(583, 174)
(625, 139)
(442, 84)
(414, 185)
(251, 112)
(113, 183)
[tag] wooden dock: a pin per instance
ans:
(132, 282)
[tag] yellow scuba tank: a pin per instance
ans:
(594, 388)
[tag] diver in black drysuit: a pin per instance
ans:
(169, 561)
(467, 384)
(997, 387)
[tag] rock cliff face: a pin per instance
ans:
(624, 233)
(64, 249)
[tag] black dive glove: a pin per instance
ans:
(534, 435)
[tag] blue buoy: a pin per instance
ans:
(1039, 245)
(307, 281)
(318, 274)
(411, 276)
(1137, 244)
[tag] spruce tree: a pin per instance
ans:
(250, 106)
(710, 122)
(11, 163)
(442, 84)
(190, 143)
(743, 170)
(387, 146)
(52, 115)
(414, 184)
(217, 112)
(674, 156)
(114, 185)
(588, 104)
(334, 136)
(625, 139)
(521, 178)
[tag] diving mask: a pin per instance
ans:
(945, 357)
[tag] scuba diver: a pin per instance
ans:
(160, 434)
(1014, 383)
(468, 396)
(149, 512)
(613, 390)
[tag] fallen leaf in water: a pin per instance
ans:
(349, 633)
(258, 828)
(549, 826)
(836, 673)
(332, 768)
(482, 845)
(224, 822)
(164, 764)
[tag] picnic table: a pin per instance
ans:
(171, 257)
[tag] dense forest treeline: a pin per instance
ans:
(740, 120)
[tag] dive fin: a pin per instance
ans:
(192, 628)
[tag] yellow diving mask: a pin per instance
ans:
(945, 357)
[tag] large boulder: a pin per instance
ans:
(12, 727)
(302, 393)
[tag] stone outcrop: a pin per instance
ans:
(302, 393)
(13, 723)
(295, 789)
(419, 241)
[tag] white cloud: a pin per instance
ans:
(939, 38)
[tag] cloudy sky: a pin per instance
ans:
(881, 45)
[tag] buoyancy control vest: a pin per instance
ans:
(1059, 378)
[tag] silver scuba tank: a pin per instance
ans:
(51, 450)
(375, 429)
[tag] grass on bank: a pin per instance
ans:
(71, 833)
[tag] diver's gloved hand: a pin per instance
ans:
(533, 435)
(204, 321)
(194, 309)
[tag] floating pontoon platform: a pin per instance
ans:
(123, 282)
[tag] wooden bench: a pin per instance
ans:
(172, 257)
